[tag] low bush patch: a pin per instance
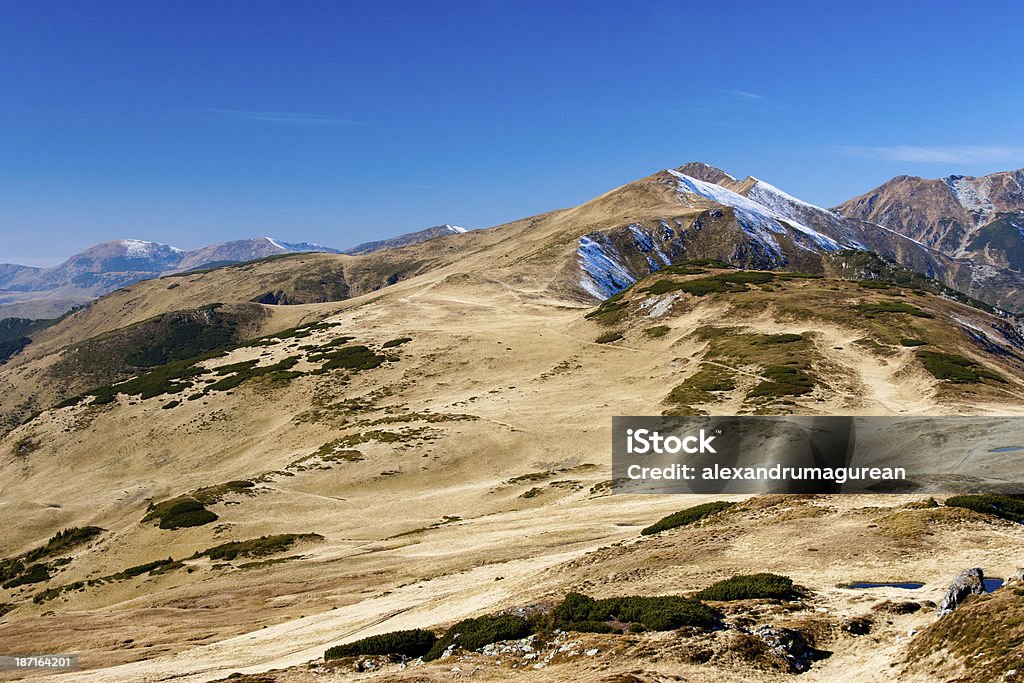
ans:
(473, 634)
(783, 380)
(255, 547)
(412, 643)
(954, 368)
(894, 307)
(687, 516)
(1006, 507)
(748, 587)
(179, 512)
(396, 342)
(578, 612)
(350, 358)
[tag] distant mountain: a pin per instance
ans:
(28, 292)
(978, 219)
(406, 239)
(237, 251)
(12, 273)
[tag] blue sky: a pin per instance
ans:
(336, 122)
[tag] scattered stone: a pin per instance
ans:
(789, 645)
(857, 626)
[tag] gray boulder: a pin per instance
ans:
(969, 582)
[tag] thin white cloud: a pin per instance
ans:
(744, 94)
(285, 117)
(968, 154)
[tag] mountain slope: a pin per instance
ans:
(410, 437)
(406, 239)
(976, 219)
(460, 465)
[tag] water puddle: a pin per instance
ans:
(907, 585)
(1007, 449)
(993, 584)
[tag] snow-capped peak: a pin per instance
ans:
(774, 198)
(455, 229)
(301, 247)
(143, 249)
(759, 220)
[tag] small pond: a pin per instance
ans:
(908, 585)
(1007, 449)
(993, 584)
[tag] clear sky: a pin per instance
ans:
(336, 122)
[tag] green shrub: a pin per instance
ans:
(609, 337)
(787, 338)
(783, 380)
(687, 516)
(954, 368)
(255, 547)
(413, 643)
(657, 331)
(34, 574)
(350, 358)
(473, 634)
(752, 277)
(246, 370)
(578, 612)
(140, 569)
(1007, 507)
(748, 587)
(64, 540)
(180, 512)
(708, 262)
(611, 310)
(396, 342)
(894, 307)
(683, 270)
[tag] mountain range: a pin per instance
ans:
(30, 292)
(965, 232)
(224, 473)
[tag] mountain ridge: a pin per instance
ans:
(105, 267)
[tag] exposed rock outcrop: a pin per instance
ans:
(969, 582)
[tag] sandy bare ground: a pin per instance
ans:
(418, 532)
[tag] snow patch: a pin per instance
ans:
(604, 273)
(658, 305)
(142, 249)
(645, 244)
(779, 201)
(299, 247)
(972, 195)
(455, 229)
(757, 220)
